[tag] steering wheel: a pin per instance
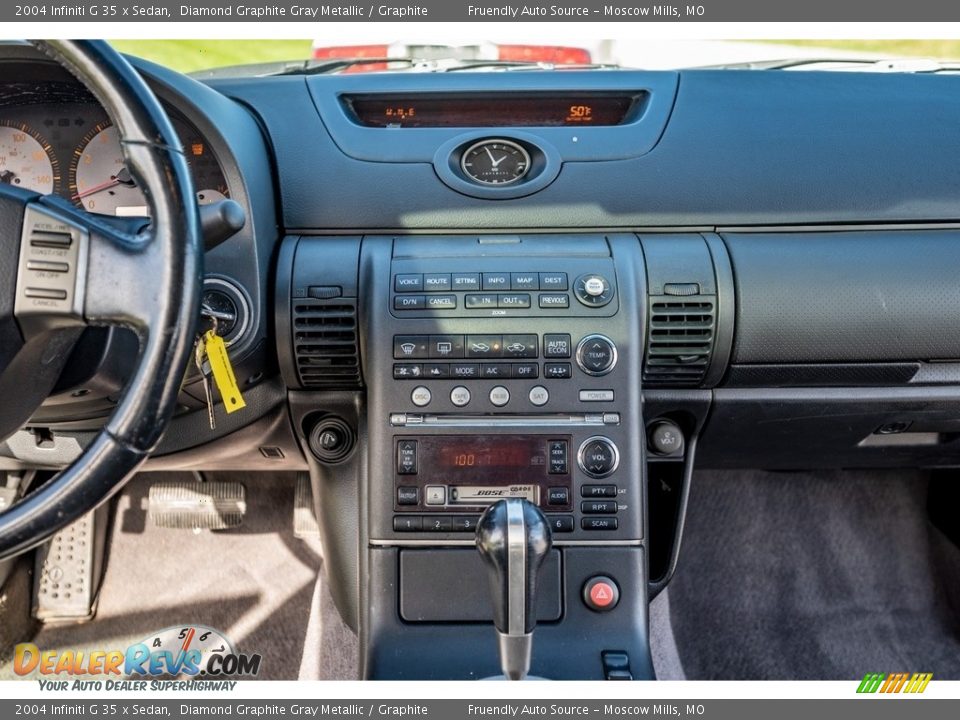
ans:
(62, 269)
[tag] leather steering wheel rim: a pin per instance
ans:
(157, 270)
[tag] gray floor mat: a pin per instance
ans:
(814, 576)
(255, 583)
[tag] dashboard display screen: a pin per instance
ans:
(486, 459)
(494, 110)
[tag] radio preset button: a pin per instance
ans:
(539, 395)
(408, 495)
(407, 457)
(407, 523)
(460, 396)
(408, 283)
(435, 494)
(464, 524)
(499, 396)
(421, 396)
(596, 354)
(553, 281)
(561, 523)
(438, 524)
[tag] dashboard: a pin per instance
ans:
(450, 293)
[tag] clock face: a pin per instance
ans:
(495, 162)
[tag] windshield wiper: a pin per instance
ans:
(524, 65)
(904, 65)
(309, 67)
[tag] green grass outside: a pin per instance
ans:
(189, 55)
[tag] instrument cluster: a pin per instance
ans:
(56, 139)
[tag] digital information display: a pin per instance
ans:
(494, 110)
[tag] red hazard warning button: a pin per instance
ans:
(601, 593)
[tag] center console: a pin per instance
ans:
(485, 368)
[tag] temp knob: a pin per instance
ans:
(598, 457)
(593, 290)
(596, 354)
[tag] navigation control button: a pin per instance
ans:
(460, 396)
(408, 283)
(596, 354)
(421, 396)
(441, 302)
(524, 281)
(593, 290)
(513, 300)
(496, 281)
(480, 302)
(598, 457)
(499, 396)
(436, 282)
(409, 302)
(539, 395)
(553, 281)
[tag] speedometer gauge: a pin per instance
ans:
(26, 159)
(100, 181)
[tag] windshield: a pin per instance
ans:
(387, 54)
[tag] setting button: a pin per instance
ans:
(465, 281)
(596, 354)
(460, 396)
(421, 396)
(407, 457)
(598, 457)
(499, 396)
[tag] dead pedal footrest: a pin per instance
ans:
(67, 573)
(188, 505)
(304, 516)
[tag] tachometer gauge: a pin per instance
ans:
(99, 179)
(26, 159)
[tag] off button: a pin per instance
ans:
(601, 594)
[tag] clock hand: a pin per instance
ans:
(497, 162)
(491, 156)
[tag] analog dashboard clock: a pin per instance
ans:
(495, 162)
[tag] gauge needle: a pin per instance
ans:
(121, 178)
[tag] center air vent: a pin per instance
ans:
(680, 340)
(325, 343)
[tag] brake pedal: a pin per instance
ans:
(189, 505)
(304, 516)
(67, 576)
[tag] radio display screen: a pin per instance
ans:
(485, 459)
(569, 109)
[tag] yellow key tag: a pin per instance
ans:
(223, 376)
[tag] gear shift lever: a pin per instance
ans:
(513, 538)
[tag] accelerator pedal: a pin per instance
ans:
(190, 505)
(68, 571)
(304, 516)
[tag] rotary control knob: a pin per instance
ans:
(598, 457)
(596, 354)
(593, 290)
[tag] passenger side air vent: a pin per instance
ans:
(680, 340)
(326, 343)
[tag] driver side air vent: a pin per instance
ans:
(680, 340)
(326, 343)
